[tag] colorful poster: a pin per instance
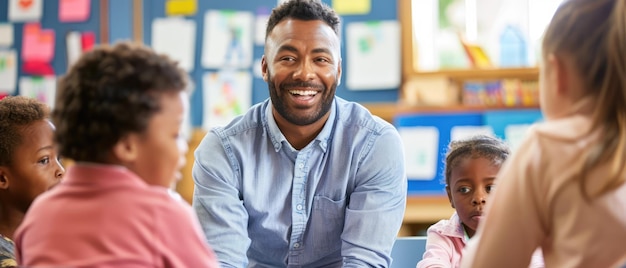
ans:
(74, 10)
(42, 88)
(227, 39)
(226, 94)
(181, 7)
(8, 72)
(373, 55)
(176, 37)
(25, 10)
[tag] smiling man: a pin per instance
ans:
(305, 178)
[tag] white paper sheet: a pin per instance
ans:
(465, 132)
(227, 40)
(373, 55)
(74, 47)
(421, 154)
(6, 34)
(175, 37)
(8, 71)
(226, 94)
(260, 26)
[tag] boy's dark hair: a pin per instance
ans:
(303, 10)
(16, 113)
(108, 93)
(477, 146)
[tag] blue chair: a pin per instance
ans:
(407, 251)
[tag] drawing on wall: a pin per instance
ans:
(8, 72)
(25, 10)
(226, 94)
(420, 151)
(228, 39)
(373, 55)
(42, 88)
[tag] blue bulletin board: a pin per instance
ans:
(426, 137)
(155, 9)
(50, 21)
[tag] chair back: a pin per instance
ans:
(407, 251)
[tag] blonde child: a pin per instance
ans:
(564, 189)
(29, 165)
(119, 115)
(470, 172)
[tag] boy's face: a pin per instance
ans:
(36, 166)
(470, 183)
(161, 148)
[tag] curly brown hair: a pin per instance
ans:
(303, 10)
(484, 146)
(108, 93)
(16, 113)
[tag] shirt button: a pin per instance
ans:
(301, 165)
(299, 207)
(296, 245)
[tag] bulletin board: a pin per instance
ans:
(377, 10)
(50, 20)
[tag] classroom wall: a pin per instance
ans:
(380, 10)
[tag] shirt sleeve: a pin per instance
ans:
(376, 207)
(499, 240)
(439, 250)
(217, 203)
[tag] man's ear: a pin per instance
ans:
(4, 180)
(264, 68)
(126, 149)
(449, 196)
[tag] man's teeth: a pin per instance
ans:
(303, 92)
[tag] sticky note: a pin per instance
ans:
(74, 10)
(352, 7)
(37, 44)
(181, 7)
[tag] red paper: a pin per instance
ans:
(37, 68)
(88, 40)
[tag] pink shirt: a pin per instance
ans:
(106, 216)
(444, 244)
(446, 241)
(536, 203)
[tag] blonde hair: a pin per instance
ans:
(593, 34)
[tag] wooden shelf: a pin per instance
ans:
(491, 73)
(388, 110)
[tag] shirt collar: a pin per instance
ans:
(322, 138)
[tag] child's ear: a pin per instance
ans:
(4, 180)
(561, 73)
(449, 196)
(125, 150)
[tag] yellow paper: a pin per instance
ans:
(352, 7)
(181, 7)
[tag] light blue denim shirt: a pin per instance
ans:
(338, 202)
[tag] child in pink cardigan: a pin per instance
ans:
(470, 172)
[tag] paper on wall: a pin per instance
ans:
(6, 34)
(227, 39)
(42, 88)
(8, 72)
(25, 10)
(226, 94)
(420, 151)
(176, 37)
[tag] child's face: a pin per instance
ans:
(162, 148)
(36, 166)
(470, 183)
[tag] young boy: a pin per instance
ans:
(29, 164)
(119, 115)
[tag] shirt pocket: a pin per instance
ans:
(327, 222)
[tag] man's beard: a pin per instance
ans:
(291, 115)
